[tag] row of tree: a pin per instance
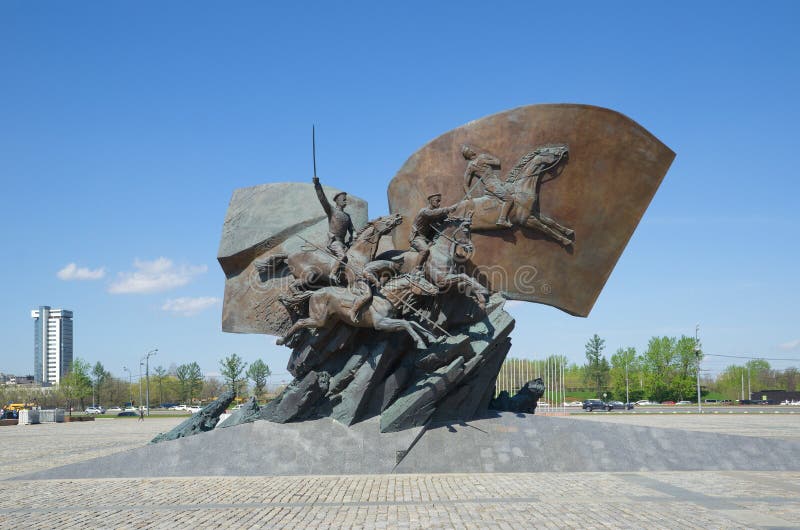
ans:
(86, 384)
(667, 370)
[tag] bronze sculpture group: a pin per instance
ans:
(347, 281)
(412, 328)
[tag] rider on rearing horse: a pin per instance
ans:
(339, 226)
(423, 231)
(485, 167)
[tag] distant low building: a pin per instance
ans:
(52, 344)
(777, 396)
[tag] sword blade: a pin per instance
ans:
(314, 149)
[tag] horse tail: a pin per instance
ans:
(271, 263)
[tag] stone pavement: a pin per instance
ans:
(707, 499)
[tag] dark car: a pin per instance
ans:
(593, 404)
(611, 405)
(127, 413)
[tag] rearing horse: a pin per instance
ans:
(331, 304)
(310, 265)
(454, 238)
(523, 185)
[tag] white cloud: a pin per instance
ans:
(154, 276)
(792, 344)
(73, 272)
(189, 306)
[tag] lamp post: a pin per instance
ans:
(627, 392)
(147, 375)
(130, 383)
(140, 384)
(697, 356)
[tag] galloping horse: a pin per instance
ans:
(523, 184)
(453, 244)
(310, 266)
(330, 304)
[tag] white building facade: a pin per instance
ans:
(52, 340)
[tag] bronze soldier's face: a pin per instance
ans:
(436, 201)
(341, 201)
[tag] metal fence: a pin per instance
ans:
(516, 372)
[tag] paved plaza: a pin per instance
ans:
(702, 499)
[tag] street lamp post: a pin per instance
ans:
(140, 384)
(697, 356)
(130, 383)
(627, 392)
(147, 375)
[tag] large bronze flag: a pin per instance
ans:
(555, 192)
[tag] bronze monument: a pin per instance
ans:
(542, 201)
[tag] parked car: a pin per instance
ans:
(611, 405)
(643, 403)
(573, 404)
(684, 402)
(114, 409)
(593, 404)
(667, 402)
(194, 409)
(95, 410)
(128, 413)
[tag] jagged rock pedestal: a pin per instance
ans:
(353, 374)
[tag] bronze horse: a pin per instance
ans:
(453, 244)
(310, 266)
(331, 304)
(523, 185)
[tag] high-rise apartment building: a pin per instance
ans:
(52, 344)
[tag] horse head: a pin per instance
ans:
(378, 227)
(459, 231)
(549, 158)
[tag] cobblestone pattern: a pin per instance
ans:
(49, 445)
(707, 499)
(784, 426)
(542, 500)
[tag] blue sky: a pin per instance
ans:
(125, 127)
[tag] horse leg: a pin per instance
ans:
(396, 324)
(535, 222)
(317, 318)
(552, 223)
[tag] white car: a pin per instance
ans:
(115, 409)
(194, 409)
(95, 410)
(643, 403)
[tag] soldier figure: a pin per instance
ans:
(374, 274)
(485, 167)
(339, 227)
(423, 231)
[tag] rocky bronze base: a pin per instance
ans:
(351, 375)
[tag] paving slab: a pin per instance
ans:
(665, 499)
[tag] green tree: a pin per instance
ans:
(625, 369)
(684, 382)
(232, 368)
(258, 373)
(658, 364)
(596, 368)
(76, 385)
(159, 373)
(99, 377)
(190, 378)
